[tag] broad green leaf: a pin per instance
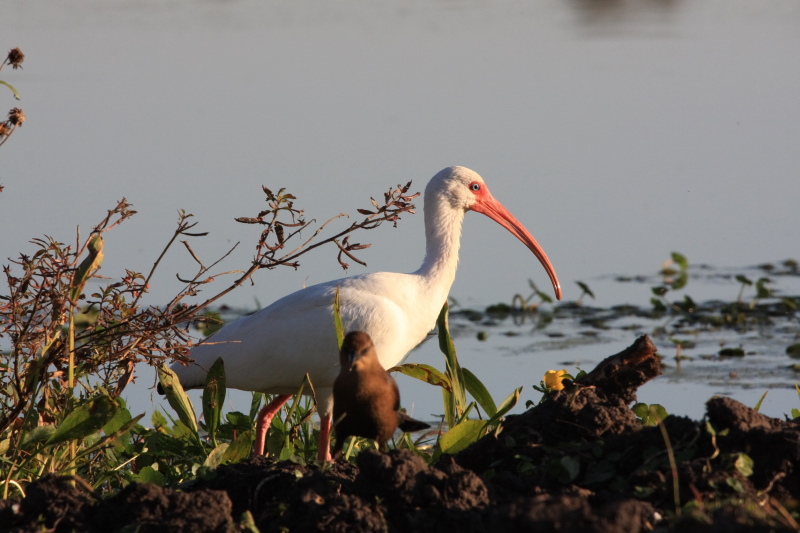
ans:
(159, 421)
(425, 373)
(239, 449)
(479, 392)
(38, 434)
(681, 281)
(660, 291)
(216, 456)
(462, 436)
(148, 474)
(112, 437)
(337, 319)
(177, 397)
(680, 260)
(650, 415)
(657, 412)
(121, 418)
(214, 398)
(84, 420)
(744, 464)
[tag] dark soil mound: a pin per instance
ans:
(579, 461)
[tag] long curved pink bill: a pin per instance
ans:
(497, 212)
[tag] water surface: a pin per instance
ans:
(616, 131)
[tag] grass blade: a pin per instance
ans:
(214, 398)
(457, 396)
(337, 319)
(479, 391)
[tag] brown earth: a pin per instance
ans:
(580, 461)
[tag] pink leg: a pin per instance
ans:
(324, 453)
(264, 419)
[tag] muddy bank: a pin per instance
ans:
(579, 461)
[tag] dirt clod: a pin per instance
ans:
(579, 461)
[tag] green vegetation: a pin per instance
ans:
(69, 353)
(73, 348)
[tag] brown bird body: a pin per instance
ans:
(366, 400)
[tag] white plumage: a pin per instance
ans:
(271, 351)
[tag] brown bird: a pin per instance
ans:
(366, 400)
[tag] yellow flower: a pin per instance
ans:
(553, 379)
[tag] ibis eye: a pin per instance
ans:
(475, 187)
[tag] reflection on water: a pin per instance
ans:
(616, 131)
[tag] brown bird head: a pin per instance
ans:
(357, 351)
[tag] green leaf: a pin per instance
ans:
(761, 288)
(216, 456)
(462, 436)
(743, 279)
(585, 288)
(337, 319)
(255, 404)
(507, 405)
(159, 421)
(758, 405)
(458, 404)
(148, 474)
(239, 449)
(681, 281)
(744, 464)
(38, 434)
(120, 418)
(112, 437)
(86, 419)
(657, 412)
(479, 392)
(214, 398)
(177, 397)
(660, 291)
(650, 415)
(680, 260)
(425, 373)
(735, 484)
(88, 266)
(657, 305)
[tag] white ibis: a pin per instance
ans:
(271, 351)
(366, 400)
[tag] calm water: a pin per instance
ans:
(616, 131)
